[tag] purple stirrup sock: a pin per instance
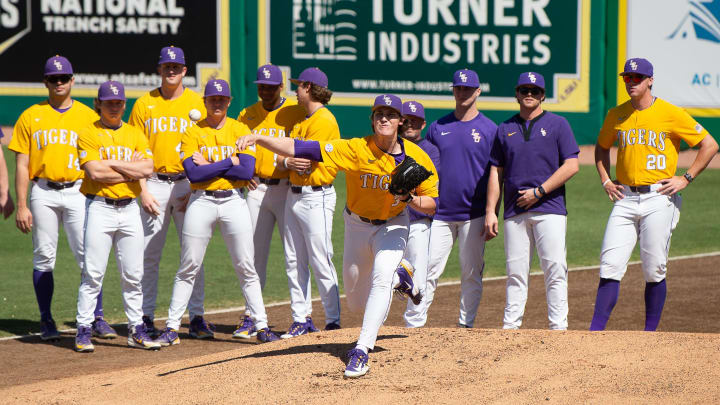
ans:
(655, 294)
(99, 306)
(44, 284)
(607, 296)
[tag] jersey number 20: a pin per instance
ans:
(655, 162)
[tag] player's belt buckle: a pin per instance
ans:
(171, 177)
(640, 189)
(122, 202)
(298, 189)
(368, 220)
(219, 193)
(269, 182)
(57, 186)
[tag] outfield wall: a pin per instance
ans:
(407, 47)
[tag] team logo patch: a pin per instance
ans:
(413, 107)
(698, 128)
(532, 77)
(266, 73)
(218, 86)
(328, 148)
(83, 154)
(171, 54)
(633, 65)
(57, 64)
(463, 77)
(512, 133)
(114, 89)
(387, 99)
(543, 132)
(475, 135)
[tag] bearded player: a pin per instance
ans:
(648, 131)
(272, 116)
(162, 114)
(418, 245)
(45, 141)
(376, 222)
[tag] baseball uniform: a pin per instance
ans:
(648, 143)
(49, 138)
(464, 164)
(529, 152)
(113, 220)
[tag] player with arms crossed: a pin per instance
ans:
(648, 131)
(376, 222)
(534, 155)
(309, 211)
(114, 156)
(418, 245)
(274, 116)
(45, 141)
(217, 175)
(464, 138)
(163, 115)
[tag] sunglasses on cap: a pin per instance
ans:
(634, 78)
(535, 91)
(55, 79)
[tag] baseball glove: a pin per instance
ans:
(407, 176)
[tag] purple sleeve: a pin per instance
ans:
(434, 154)
(567, 146)
(497, 158)
(243, 171)
(198, 174)
(308, 150)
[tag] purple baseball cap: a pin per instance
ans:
(638, 66)
(217, 87)
(313, 75)
(531, 79)
(111, 90)
(466, 77)
(58, 65)
(388, 100)
(413, 108)
(171, 54)
(269, 74)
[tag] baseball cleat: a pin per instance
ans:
(150, 328)
(137, 337)
(83, 343)
(201, 329)
(332, 326)
(168, 337)
(296, 329)
(246, 329)
(102, 329)
(357, 365)
(265, 335)
(310, 325)
(405, 286)
(49, 331)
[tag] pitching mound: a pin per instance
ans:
(421, 366)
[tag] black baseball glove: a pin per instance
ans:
(407, 176)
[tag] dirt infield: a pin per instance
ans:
(439, 363)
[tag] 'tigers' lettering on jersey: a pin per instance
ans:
(217, 153)
(370, 180)
(274, 132)
(115, 153)
(640, 136)
(52, 136)
(168, 124)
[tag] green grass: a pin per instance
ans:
(698, 231)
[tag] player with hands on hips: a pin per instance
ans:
(217, 176)
(418, 245)
(45, 141)
(164, 115)
(464, 138)
(7, 206)
(648, 131)
(114, 156)
(275, 116)
(376, 222)
(309, 211)
(534, 155)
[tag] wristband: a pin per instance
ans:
(605, 182)
(408, 199)
(535, 194)
(541, 190)
(285, 163)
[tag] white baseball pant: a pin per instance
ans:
(50, 208)
(168, 195)
(523, 233)
(652, 217)
(233, 217)
(308, 243)
(267, 207)
(372, 254)
(107, 226)
(417, 253)
(471, 243)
